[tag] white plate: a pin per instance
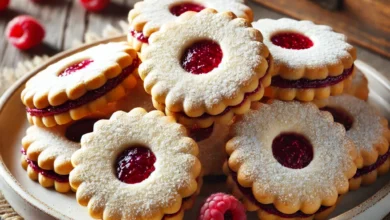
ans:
(32, 201)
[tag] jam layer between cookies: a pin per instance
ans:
(368, 169)
(88, 97)
(47, 173)
(278, 81)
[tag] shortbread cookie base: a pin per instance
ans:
(359, 86)
(86, 109)
(136, 44)
(307, 95)
(370, 177)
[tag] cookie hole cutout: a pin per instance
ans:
(340, 116)
(76, 130)
(179, 9)
(292, 41)
(75, 67)
(202, 57)
(292, 150)
(200, 134)
(135, 164)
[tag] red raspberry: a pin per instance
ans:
(3, 4)
(24, 32)
(94, 5)
(220, 206)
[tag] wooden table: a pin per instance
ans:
(66, 21)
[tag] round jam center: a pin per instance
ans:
(75, 131)
(340, 116)
(292, 150)
(75, 67)
(177, 10)
(292, 41)
(202, 57)
(135, 164)
(200, 134)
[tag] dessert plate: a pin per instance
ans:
(32, 201)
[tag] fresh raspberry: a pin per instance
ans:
(94, 5)
(220, 206)
(3, 4)
(24, 32)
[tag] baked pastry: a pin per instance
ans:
(211, 142)
(311, 61)
(368, 130)
(143, 156)
(149, 16)
(137, 97)
(80, 84)
(291, 157)
(46, 152)
(205, 75)
(359, 86)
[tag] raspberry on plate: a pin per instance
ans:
(25, 32)
(3, 4)
(94, 5)
(220, 206)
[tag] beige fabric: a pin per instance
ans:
(10, 75)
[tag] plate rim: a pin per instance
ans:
(10, 180)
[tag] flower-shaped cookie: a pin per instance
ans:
(359, 86)
(291, 156)
(149, 16)
(206, 72)
(48, 151)
(137, 97)
(211, 142)
(367, 129)
(143, 156)
(80, 84)
(311, 61)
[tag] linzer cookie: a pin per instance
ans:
(46, 152)
(143, 156)
(206, 75)
(80, 84)
(290, 159)
(148, 16)
(370, 133)
(311, 61)
(359, 86)
(137, 97)
(211, 142)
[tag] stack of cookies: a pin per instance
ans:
(276, 105)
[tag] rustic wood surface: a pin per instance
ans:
(367, 23)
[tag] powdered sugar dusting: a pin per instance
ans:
(241, 56)
(367, 129)
(329, 48)
(324, 175)
(175, 165)
(50, 144)
(157, 13)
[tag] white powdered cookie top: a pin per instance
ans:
(367, 129)
(330, 51)
(48, 88)
(243, 63)
(50, 144)
(174, 177)
(155, 13)
(323, 177)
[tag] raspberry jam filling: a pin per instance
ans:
(135, 164)
(177, 10)
(139, 36)
(293, 41)
(270, 208)
(202, 57)
(367, 169)
(200, 134)
(76, 130)
(87, 97)
(292, 150)
(74, 68)
(340, 116)
(47, 173)
(278, 81)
